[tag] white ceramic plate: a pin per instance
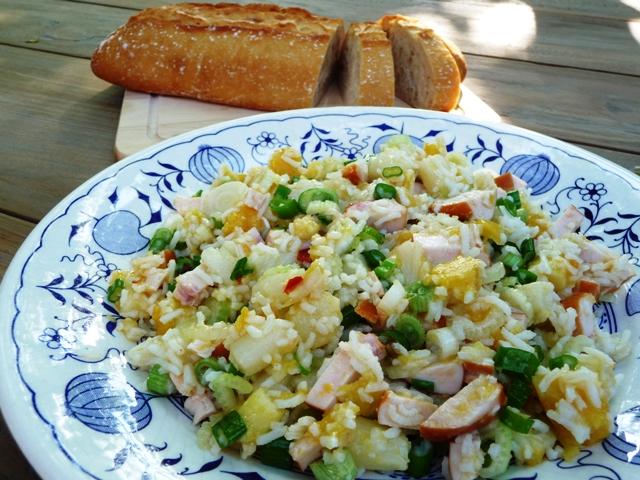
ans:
(79, 411)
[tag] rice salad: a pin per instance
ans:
(396, 313)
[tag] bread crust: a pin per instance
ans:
(256, 56)
(435, 77)
(375, 76)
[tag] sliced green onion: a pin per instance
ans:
(502, 436)
(181, 245)
(528, 250)
(385, 269)
(282, 191)
(419, 296)
(515, 198)
(512, 261)
(516, 420)
(240, 269)
(115, 290)
(347, 162)
(203, 365)
(420, 458)
(294, 179)
(522, 214)
(370, 233)
(373, 258)
(393, 336)
(217, 223)
(303, 370)
(350, 317)
(539, 352)
(525, 276)
(517, 361)
(518, 392)
(390, 172)
(384, 190)
(562, 360)
(285, 208)
(186, 264)
(344, 470)
(161, 239)
(229, 429)
(198, 194)
(316, 195)
(426, 386)
(229, 380)
(411, 328)
(275, 454)
(171, 286)
(158, 382)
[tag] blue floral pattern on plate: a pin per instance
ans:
(92, 410)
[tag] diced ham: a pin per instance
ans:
(305, 450)
(367, 310)
(200, 406)
(462, 453)
(181, 386)
(473, 407)
(582, 303)
(618, 272)
(510, 182)
(473, 205)
(355, 172)
(339, 372)
(384, 214)
(438, 249)
(593, 253)
(404, 412)
(256, 200)
(186, 204)
(473, 370)
(446, 376)
(191, 287)
(566, 223)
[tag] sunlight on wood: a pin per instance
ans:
(510, 26)
(634, 28)
(472, 106)
(632, 3)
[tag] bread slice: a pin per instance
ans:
(367, 66)
(426, 72)
(254, 56)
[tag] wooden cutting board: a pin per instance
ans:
(148, 119)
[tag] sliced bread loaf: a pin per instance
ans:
(367, 76)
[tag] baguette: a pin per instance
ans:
(367, 66)
(427, 74)
(253, 56)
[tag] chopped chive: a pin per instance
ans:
(229, 429)
(275, 454)
(115, 290)
(516, 360)
(393, 336)
(181, 245)
(516, 420)
(390, 172)
(240, 269)
(522, 214)
(562, 360)
(160, 239)
(515, 198)
(419, 296)
(525, 276)
(171, 286)
(426, 386)
(370, 233)
(420, 458)
(217, 224)
(411, 328)
(350, 317)
(385, 269)
(198, 194)
(316, 195)
(373, 258)
(512, 261)
(528, 250)
(344, 470)
(518, 392)
(159, 382)
(186, 264)
(384, 190)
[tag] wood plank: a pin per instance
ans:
(575, 105)
(508, 29)
(630, 161)
(62, 122)
(13, 231)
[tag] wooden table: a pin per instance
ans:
(567, 68)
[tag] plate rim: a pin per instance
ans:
(18, 425)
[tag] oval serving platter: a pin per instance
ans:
(78, 410)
